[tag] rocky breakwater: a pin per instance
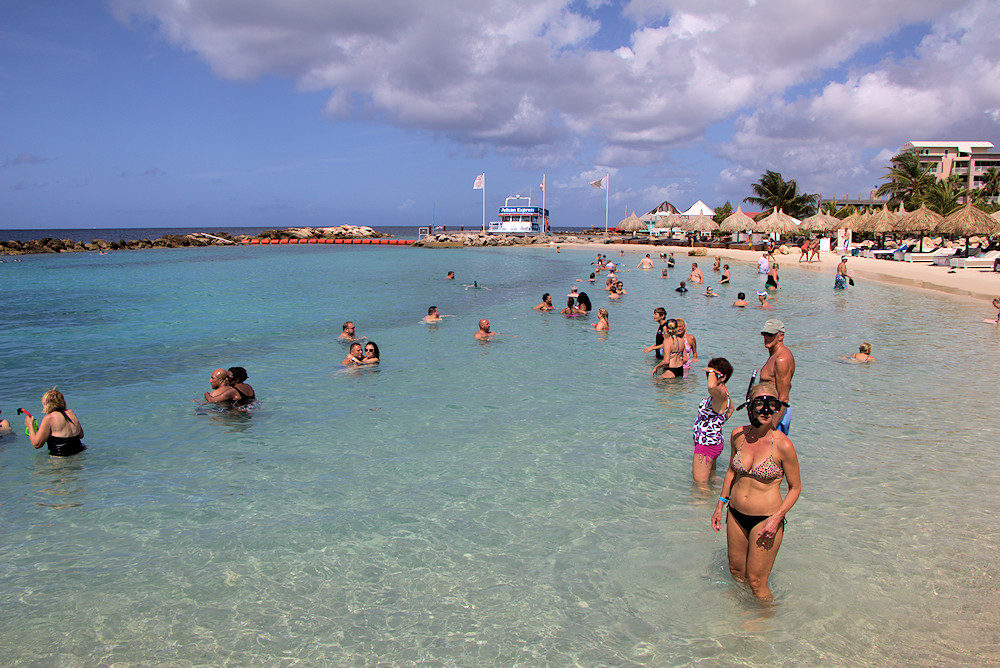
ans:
(341, 232)
(50, 245)
(461, 239)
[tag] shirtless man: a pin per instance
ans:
(355, 356)
(659, 317)
(434, 315)
(696, 275)
(221, 390)
(348, 332)
(484, 333)
(645, 263)
(840, 283)
(765, 302)
(741, 300)
(451, 275)
(779, 367)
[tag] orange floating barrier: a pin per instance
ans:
(282, 241)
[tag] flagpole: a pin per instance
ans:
(484, 201)
(544, 214)
(607, 201)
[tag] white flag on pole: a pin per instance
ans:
(600, 183)
(480, 182)
(542, 186)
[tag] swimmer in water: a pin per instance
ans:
(485, 333)
(645, 263)
(434, 315)
(354, 357)
(764, 300)
(710, 293)
(347, 333)
(682, 289)
(725, 274)
(571, 309)
(664, 274)
(371, 353)
(546, 304)
(602, 322)
(864, 353)
(60, 429)
(237, 381)
(4, 427)
(741, 300)
(475, 286)
(996, 305)
(450, 276)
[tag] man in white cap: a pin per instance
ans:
(779, 367)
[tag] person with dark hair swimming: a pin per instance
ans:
(60, 429)
(760, 457)
(583, 303)
(354, 357)
(237, 381)
(546, 304)
(741, 300)
(371, 353)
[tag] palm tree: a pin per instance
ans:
(991, 182)
(945, 196)
(907, 181)
(773, 192)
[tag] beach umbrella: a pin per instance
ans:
(631, 224)
(883, 221)
(920, 221)
(666, 221)
(821, 222)
(737, 221)
(852, 222)
(968, 221)
(699, 223)
(777, 222)
(665, 208)
(995, 215)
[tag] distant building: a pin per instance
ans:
(862, 201)
(968, 159)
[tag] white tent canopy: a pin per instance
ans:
(699, 208)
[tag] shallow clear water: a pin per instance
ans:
(522, 502)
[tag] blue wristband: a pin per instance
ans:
(723, 499)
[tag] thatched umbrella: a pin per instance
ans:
(821, 222)
(737, 221)
(920, 221)
(883, 221)
(995, 215)
(968, 221)
(666, 207)
(777, 222)
(631, 224)
(699, 223)
(852, 222)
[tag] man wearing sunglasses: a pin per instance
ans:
(779, 367)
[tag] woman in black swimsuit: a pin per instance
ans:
(760, 457)
(237, 381)
(60, 429)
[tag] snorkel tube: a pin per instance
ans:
(754, 420)
(33, 420)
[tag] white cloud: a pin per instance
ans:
(521, 75)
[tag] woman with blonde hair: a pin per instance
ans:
(864, 353)
(690, 343)
(602, 322)
(674, 351)
(60, 429)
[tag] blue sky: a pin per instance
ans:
(202, 113)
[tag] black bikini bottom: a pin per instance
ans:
(748, 522)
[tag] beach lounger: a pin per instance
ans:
(984, 261)
(929, 255)
(882, 254)
(901, 251)
(944, 256)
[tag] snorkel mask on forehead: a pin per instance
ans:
(761, 406)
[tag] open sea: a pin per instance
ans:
(522, 502)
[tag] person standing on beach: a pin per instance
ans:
(805, 250)
(842, 279)
(659, 317)
(696, 275)
(645, 263)
(814, 249)
(778, 369)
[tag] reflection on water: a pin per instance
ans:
(62, 479)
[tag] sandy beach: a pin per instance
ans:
(979, 284)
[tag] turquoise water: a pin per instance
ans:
(522, 502)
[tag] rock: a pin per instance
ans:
(698, 252)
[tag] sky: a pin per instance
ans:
(281, 113)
